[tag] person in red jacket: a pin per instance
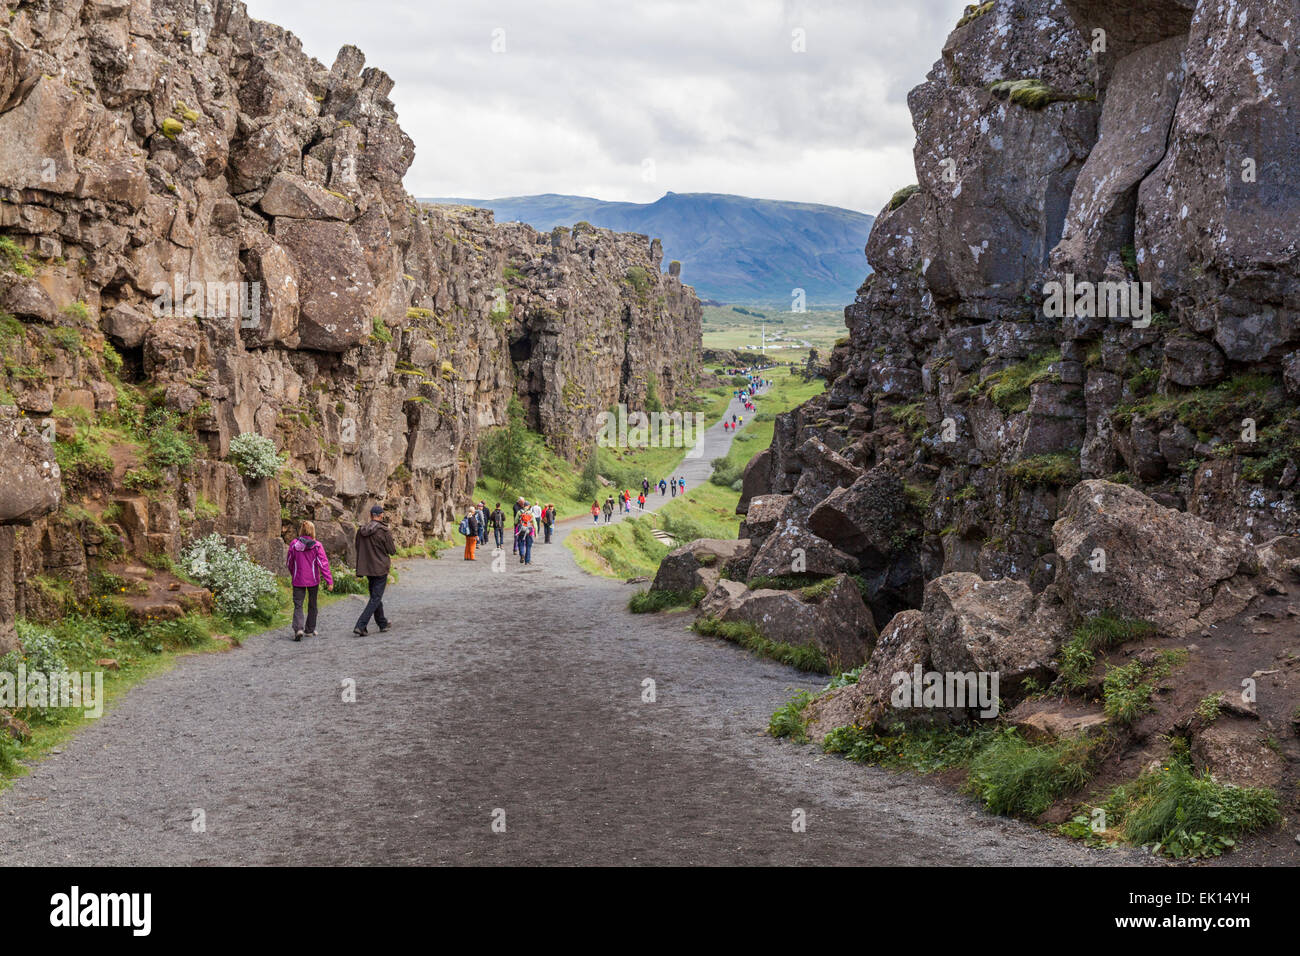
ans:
(308, 566)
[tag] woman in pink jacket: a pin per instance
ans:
(308, 564)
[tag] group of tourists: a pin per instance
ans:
(622, 500)
(529, 519)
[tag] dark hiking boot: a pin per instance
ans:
(360, 631)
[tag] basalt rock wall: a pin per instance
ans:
(167, 165)
(1153, 142)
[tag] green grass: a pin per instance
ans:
(1008, 388)
(705, 511)
(902, 196)
(649, 602)
(1013, 777)
(1096, 635)
(803, 657)
(1055, 468)
(788, 720)
(1127, 690)
(921, 750)
(1183, 814)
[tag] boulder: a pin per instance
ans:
(26, 299)
(31, 486)
(677, 570)
(294, 196)
(835, 620)
(762, 515)
(336, 293)
(988, 627)
(791, 549)
(864, 518)
(127, 325)
(1122, 553)
(1231, 750)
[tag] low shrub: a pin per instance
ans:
(254, 455)
(1016, 778)
(242, 587)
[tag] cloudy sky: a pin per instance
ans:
(626, 100)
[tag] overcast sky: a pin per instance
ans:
(627, 100)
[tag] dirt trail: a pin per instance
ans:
(519, 690)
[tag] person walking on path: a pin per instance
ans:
(374, 558)
(663, 487)
(484, 520)
(519, 506)
(498, 519)
(645, 486)
(308, 565)
(608, 509)
(681, 483)
(526, 532)
(640, 500)
(537, 517)
(548, 521)
(595, 512)
(469, 528)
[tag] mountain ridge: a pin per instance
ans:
(732, 248)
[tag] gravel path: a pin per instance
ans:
(520, 691)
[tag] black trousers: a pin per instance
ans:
(375, 606)
(310, 595)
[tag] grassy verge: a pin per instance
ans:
(749, 637)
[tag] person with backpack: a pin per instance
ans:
(308, 565)
(640, 500)
(595, 512)
(645, 486)
(537, 517)
(663, 487)
(525, 534)
(681, 482)
(498, 519)
(519, 506)
(608, 509)
(469, 528)
(374, 558)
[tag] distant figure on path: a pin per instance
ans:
(519, 506)
(608, 509)
(548, 521)
(374, 558)
(308, 564)
(595, 512)
(469, 528)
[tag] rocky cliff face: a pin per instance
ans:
(206, 229)
(969, 459)
(1169, 157)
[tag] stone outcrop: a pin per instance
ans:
(200, 217)
(1161, 151)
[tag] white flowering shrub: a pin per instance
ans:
(254, 455)
(239, 584)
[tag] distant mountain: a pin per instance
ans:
(732, 249)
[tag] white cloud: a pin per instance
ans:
(588, 89)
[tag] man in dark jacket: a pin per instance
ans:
(499, 524)
(374, 551)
